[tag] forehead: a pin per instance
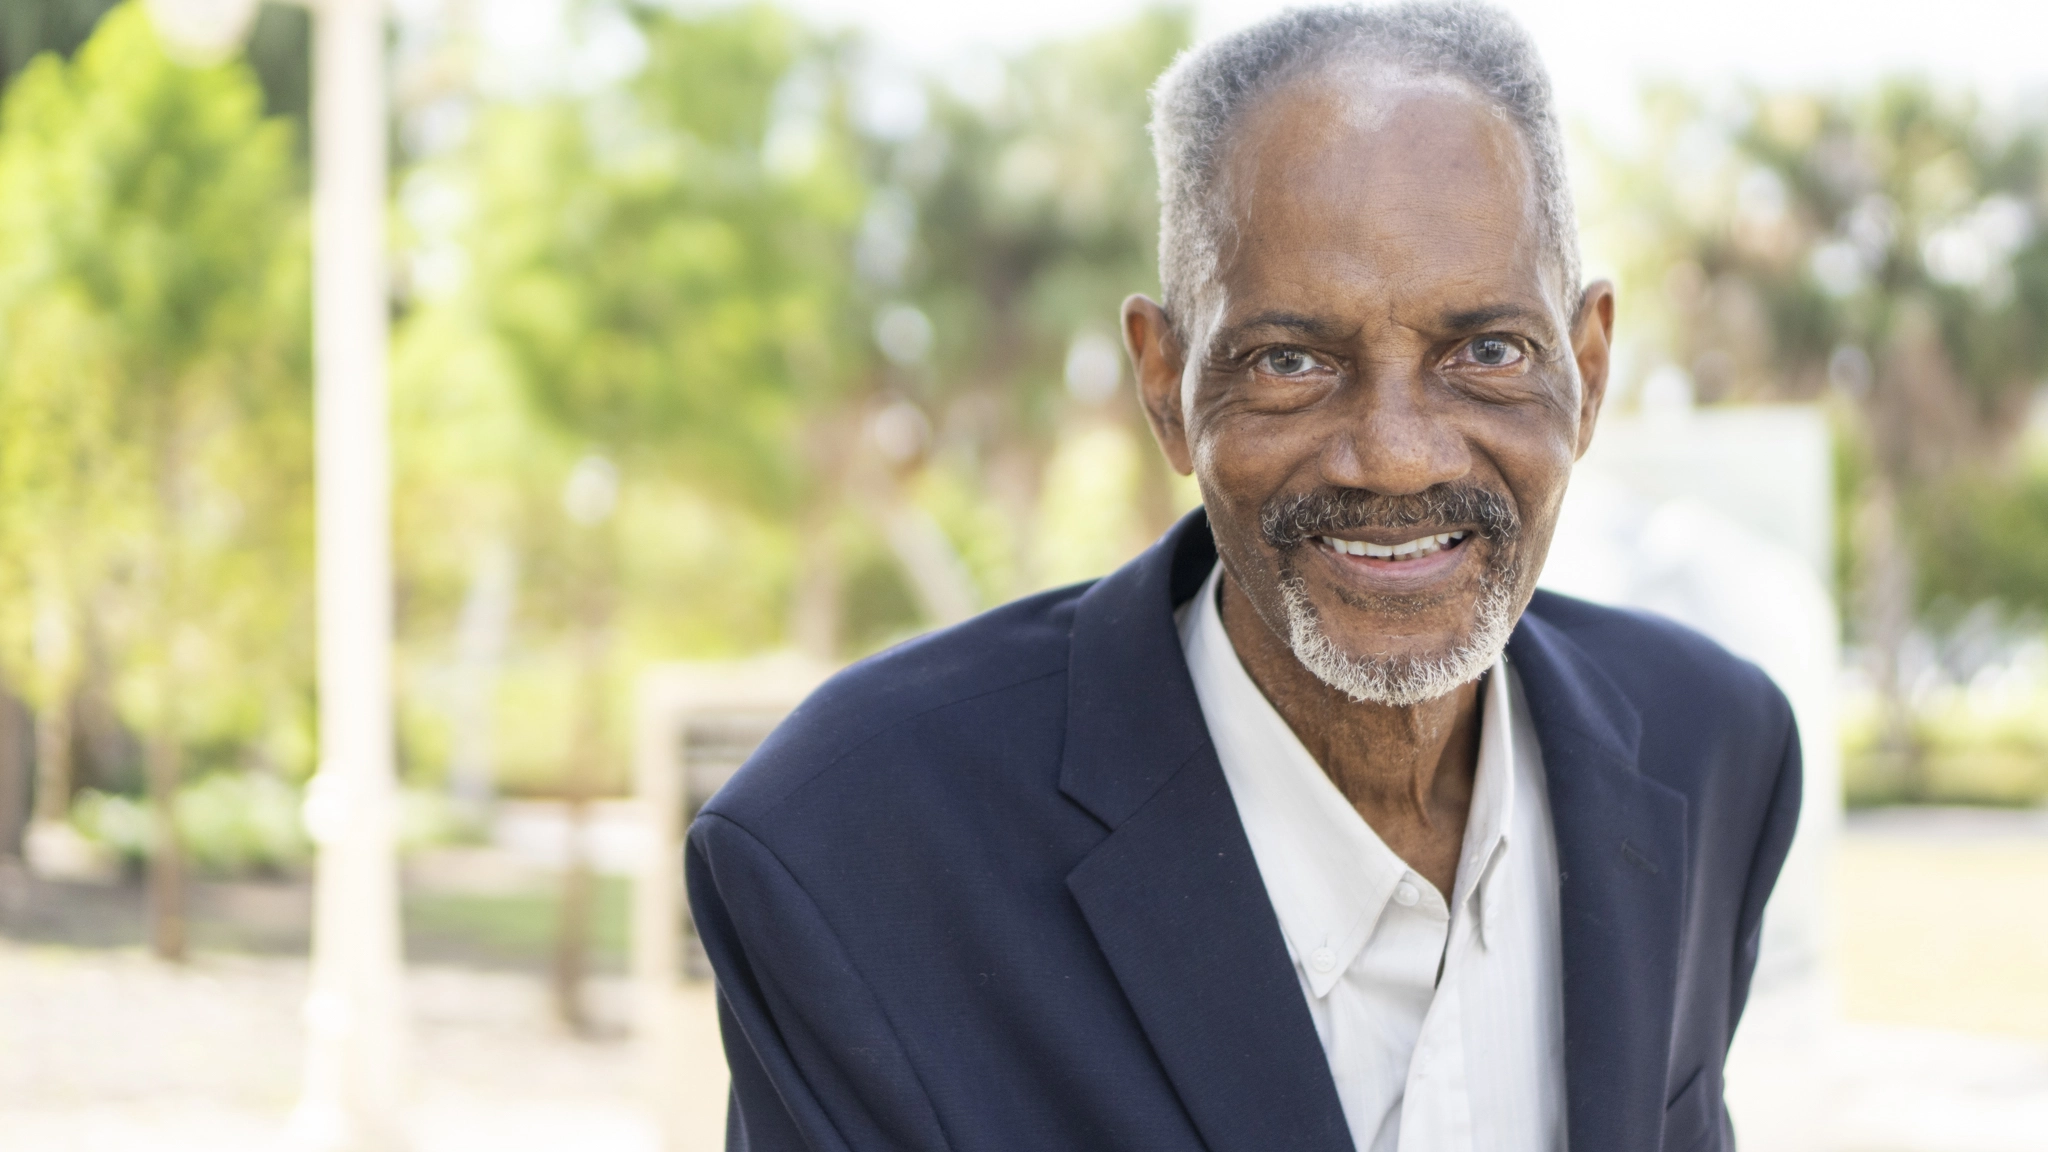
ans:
(1365, 187)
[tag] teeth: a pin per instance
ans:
(1408, 550)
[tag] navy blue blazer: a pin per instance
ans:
(988, 890)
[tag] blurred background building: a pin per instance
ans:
(725, 331)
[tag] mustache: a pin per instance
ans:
(1289, 521)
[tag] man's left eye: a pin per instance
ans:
(1287, 362)
(1493, 352)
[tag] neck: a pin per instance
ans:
(1407, 770)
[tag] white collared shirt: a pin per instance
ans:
(1443, 1023)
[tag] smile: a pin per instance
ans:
(1407, 550)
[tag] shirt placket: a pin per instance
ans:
(1437, 1112)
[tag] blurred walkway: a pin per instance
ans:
(1799, 1081)
(1934, 1035)
(108, 1051)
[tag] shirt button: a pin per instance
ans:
(1322, 959)
(1405, 894)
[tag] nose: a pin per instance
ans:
(1390, 435)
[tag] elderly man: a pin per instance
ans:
(1317, 826)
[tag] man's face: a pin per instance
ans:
(1382, 393)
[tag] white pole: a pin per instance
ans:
(657, 899)
(353, 1072)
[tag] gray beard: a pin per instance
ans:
(1401, 681)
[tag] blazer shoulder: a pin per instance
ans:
(1655, 658)
(1006, 647)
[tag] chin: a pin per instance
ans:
(1402, 680)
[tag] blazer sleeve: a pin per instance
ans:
(1781, 820)
(816, 1065)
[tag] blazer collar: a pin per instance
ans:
(1622, 858)
(1132, 716)
(1173, 894)
(1175, 899)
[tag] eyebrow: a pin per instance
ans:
(1473, 318)
(1309, 327)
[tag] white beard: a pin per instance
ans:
(1401, 681)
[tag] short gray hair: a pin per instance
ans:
(1198, 101)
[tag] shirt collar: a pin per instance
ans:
(1327, 873)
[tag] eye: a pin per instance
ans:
(1493, 352)
(1286, 362)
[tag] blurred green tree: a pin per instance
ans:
(1882, 249)
(818, 293)
(153, 401)
(29, 28)
(1036, 211)
(279, 46)
(667, 303)
(1983, 536)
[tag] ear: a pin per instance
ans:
(1157, 362)
(1593, 347)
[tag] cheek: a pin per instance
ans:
(1534, 450)
(1240, 460)
(1226, 489)
(1217, 451)
(1237, 473)
(1538, 478)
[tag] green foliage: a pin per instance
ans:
(1883, 250)
(229, 823)
(120, 824)
(235, 823)
(154, 415)
(642, 284)
(29, 28)
(1984, 536)
(653, 284)
(1037, 213)
(685, 273)
(714, 79)
(241, 824)
(151, 191)
(1977, 744)
(279, 48)
(1761, 236)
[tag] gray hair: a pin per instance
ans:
(1200, 98)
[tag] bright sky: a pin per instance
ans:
(1597, 49)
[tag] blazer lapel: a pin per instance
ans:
(1173, 894)
(1622, 853)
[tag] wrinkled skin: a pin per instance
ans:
(1385, 323)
